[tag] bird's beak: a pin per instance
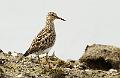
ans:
(60, 18)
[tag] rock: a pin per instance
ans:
(30, 67)
(9, 52)
(14, 54)
(2, 61)
(57, 73)
(1, 51)
(102, 57)
(20, 76)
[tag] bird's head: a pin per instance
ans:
(52, 16)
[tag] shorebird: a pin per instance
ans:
(45, 39)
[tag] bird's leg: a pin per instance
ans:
(47, 58)
(53, 55)
(39, 59)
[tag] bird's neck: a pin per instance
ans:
(50, 24)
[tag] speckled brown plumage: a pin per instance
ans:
(45, 38)
(42, 41)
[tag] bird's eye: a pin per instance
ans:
(52, 14)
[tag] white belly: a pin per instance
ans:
(40, 53)
(43, 52)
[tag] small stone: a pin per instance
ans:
(1, 51)
(2, 61)
(19, 76)
(9, 52)
(14, 54)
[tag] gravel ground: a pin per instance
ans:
(30, 67)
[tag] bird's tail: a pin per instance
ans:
(24, 55)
